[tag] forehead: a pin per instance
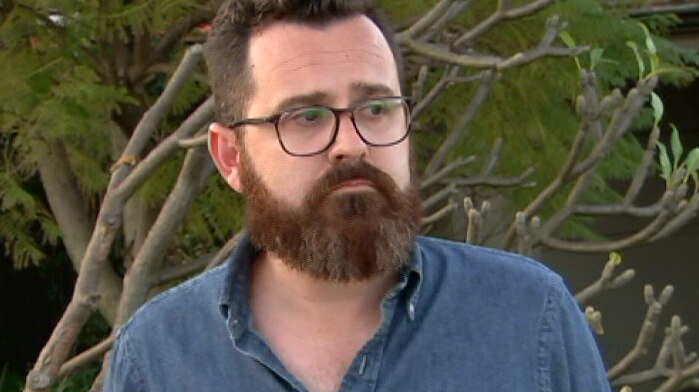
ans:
(288, 58)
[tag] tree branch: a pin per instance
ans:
(181, 270)
(459, 131)
(86, 357)
(141, 173)
(446, 170)
(152, 116)
(225, 251)
(454, 10)
(427, 20)
(494, 182)
(172, 37)
(647, 332)
(86, 293)
(606, 281)
(501, 13)
(195, 169)
(441, 213)
(437, 197)
(68, 207)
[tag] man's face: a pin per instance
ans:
(350, 212)
(337, 65)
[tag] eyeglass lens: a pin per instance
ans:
(311, 129)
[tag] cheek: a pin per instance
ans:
(290, 178)
(396, 163)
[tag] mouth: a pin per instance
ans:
(357, 184)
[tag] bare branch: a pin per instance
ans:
(68, 208)
(594, 318)
(583, 171)
(621, 120)
(444, 211)
(493, 158)
(459, 131)
(194, 142)
(475, 220)
(152, 117)
(195, 169)
(427, 20)
(419, 85)
(500, 14)
(495, 182)
(225, 251)
(444, 82)
(606, 281)
(438, 197)
(643, 235)
(688, 212)
(620, 209)
(86, 357)
(454, 10)
(202, 115)
(647, 332)
(181, 270)
(527, 233)
(446, 170)
(641, 173)
(175, 33)
(86, 293)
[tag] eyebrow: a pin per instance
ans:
(360, 89)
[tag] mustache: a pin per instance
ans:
(348, 171)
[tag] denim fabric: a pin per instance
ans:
(462, 318)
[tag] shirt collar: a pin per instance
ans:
(234, 301)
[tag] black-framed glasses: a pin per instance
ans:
(311, 130)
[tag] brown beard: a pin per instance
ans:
(336, 237)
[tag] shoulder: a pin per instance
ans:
(461, 259)
(196, 298)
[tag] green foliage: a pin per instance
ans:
(10, 381)
(81, 77)
(531, 107)
(80, 381)
(673, 168)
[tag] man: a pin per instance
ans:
(331, 289)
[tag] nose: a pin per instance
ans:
(348, 144)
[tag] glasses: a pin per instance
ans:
(311, 130)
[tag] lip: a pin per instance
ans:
(355, 184)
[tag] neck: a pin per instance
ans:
(275, 285)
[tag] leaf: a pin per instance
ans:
(665, 167)
(692, 161)
(658, 108)
(615, 258)
(595, 57)
(570, 42)
(676, 146)
(567, 39)
(639, 60)
(650, 45)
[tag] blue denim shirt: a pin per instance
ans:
(462, 318)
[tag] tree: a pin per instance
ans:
(113, 123)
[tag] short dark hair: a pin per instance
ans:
(226, 48)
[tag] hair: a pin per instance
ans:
(226, 48)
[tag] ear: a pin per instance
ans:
(224, 148)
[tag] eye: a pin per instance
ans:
(375, 108)
(309, 116)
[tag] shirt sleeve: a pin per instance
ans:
(123, 375)
(569, 358)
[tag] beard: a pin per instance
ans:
(337, 237)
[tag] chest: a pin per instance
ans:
(318, 358)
